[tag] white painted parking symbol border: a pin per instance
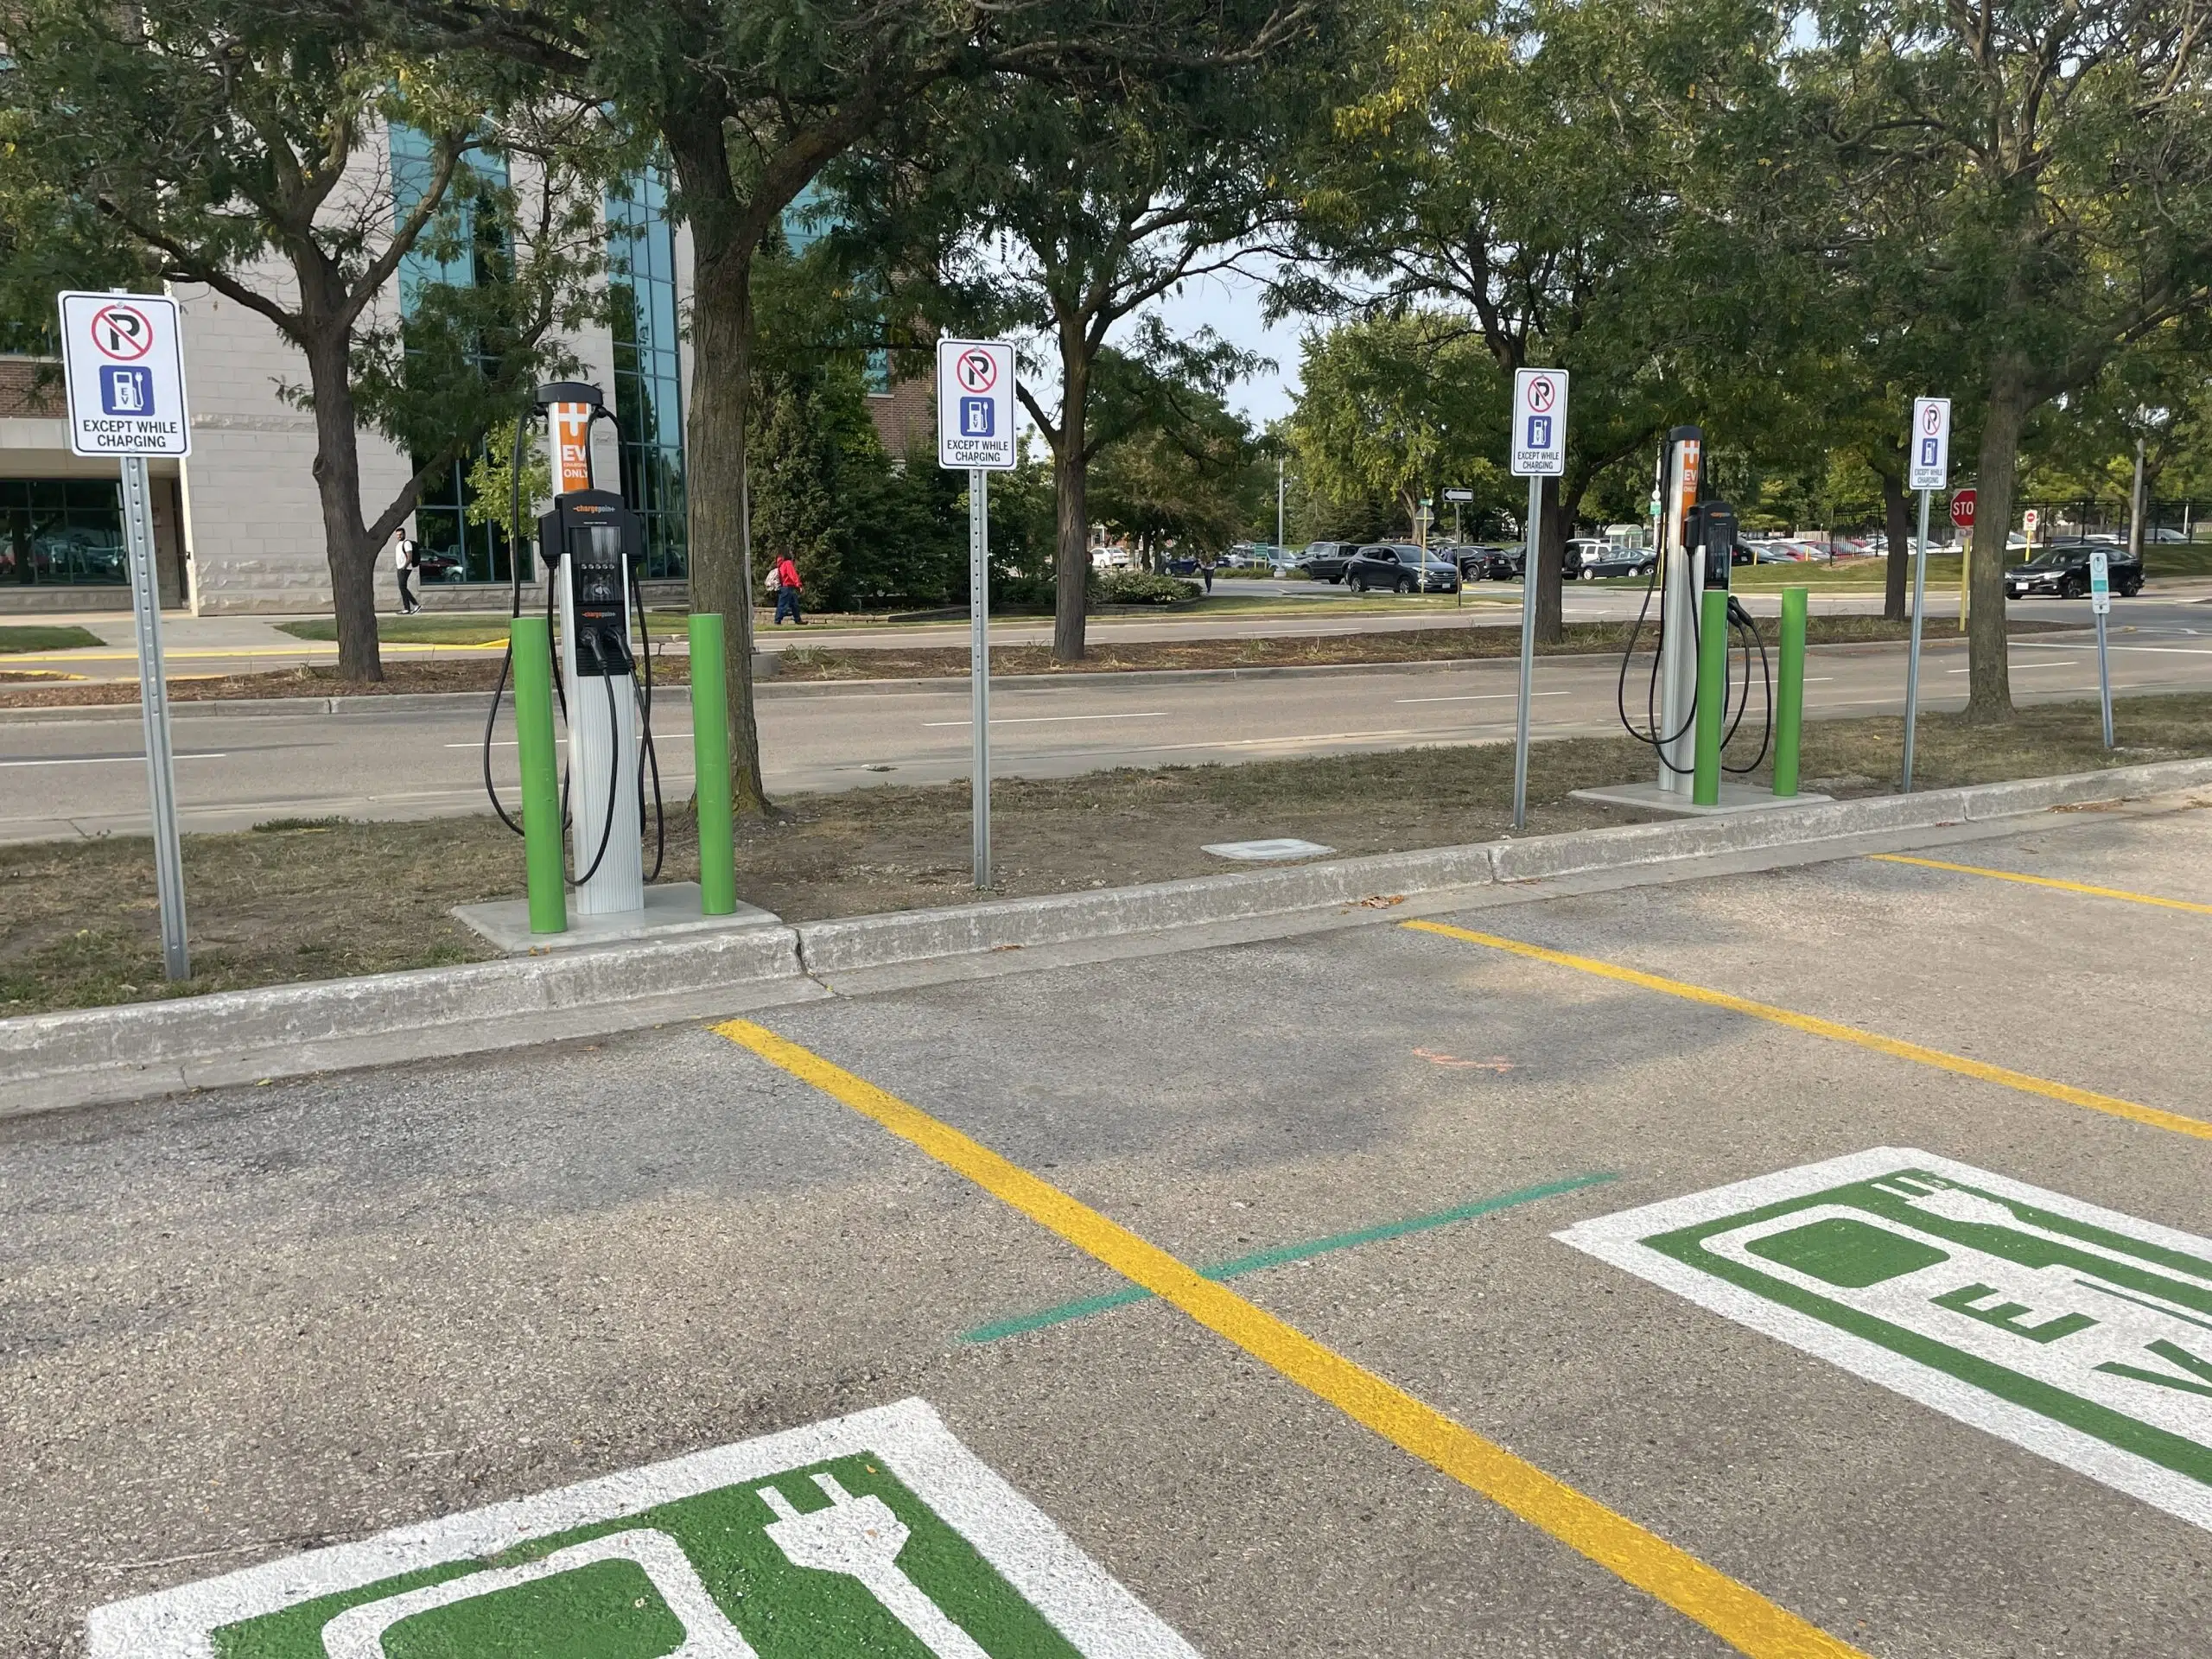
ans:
(1618, 1239)
(1042, 1564)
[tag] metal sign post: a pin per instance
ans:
(1931, 471)
(1538, 445)
(1962, 516)
(123, 361)
(979, 661)
(975, 433)
(2100, 607)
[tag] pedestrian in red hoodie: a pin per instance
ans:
(787, 591)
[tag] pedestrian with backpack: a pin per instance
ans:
(783, 582)
(404, 556)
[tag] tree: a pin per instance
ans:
(234, 144)
(1577, 180)
(1178, 483)
(1396, 409)
(2067, 149)
(752, 99)
(1061, 216)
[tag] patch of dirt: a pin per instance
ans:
(316, 900)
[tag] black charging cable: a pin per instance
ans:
(507, 656)
(1746, 627)
(1746, 637)
(1649, 733)
(646, 729)
(588, 639)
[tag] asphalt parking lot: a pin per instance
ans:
(1948, 1393)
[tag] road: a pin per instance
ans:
(207, 647)
(82, 774)
(1932, 1389)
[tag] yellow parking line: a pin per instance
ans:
(2047, 881)
(1733, 1611)
(2026, 1081)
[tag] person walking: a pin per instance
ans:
(1205, 569)
(787, 586)
(404, 556)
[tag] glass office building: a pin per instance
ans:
(65, 530)
(648, 365)
(478, 552)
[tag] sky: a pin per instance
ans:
(1229, 304)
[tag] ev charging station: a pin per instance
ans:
(1691, 710)
(1681, 602)
(598, 543)
(592, 545)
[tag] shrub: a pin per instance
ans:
(1125, 587)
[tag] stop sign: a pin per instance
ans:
(1963, 509)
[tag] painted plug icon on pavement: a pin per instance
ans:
(861, 1538)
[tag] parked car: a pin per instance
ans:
(1182, 564)
(1402, 568)
(1589, 560)
(1489, 564)
(2063, 568)
(1326, 561)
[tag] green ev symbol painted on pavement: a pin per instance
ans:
(2079, 1333)
(878, 1533)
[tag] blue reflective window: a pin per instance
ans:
(648, 365)
(454, 252)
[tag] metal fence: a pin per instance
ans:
(2171, 521)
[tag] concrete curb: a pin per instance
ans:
(93, 1055)
(836, 947)
(98, 1055)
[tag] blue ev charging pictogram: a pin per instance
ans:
(126, 389)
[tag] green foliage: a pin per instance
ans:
(224, 143)
(1125, 586)
(1183, 481)
(1392, 411)
(491, 480)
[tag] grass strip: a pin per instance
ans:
(306, 899)
(17, 637)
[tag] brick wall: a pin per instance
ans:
(21, 394)
(903, 418)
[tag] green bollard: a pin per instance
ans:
(1712, 696)
(710, 765)
(1789, 695)
(541, 785)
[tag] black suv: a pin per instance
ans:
(1326, 561)
(1489, 563)
(2063, 568)
(1402, 568)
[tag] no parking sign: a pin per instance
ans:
(975, 405)
(122, 358)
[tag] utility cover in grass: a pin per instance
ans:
(1261, 852)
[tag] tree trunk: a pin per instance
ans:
(1897, 522)
(1550, 573)
(715, 493)
(1070, 503)
(1989, 686)
(351, 556)
(714, 436)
